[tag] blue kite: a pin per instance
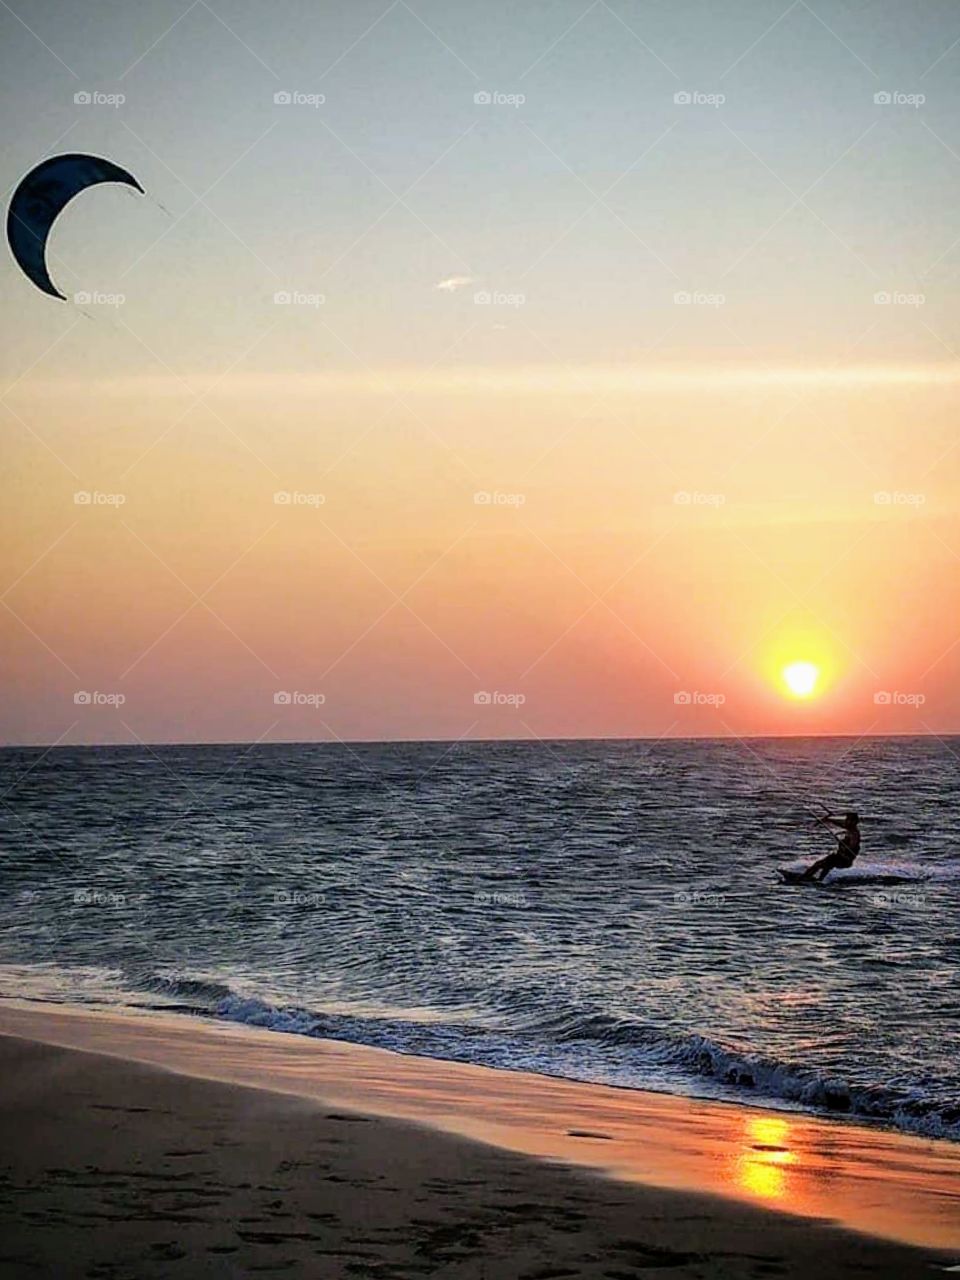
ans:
(40, 198)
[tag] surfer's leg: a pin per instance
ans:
(812, 871)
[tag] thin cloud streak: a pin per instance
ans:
(568, 380)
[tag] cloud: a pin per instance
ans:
(453, 283)
(572, 379)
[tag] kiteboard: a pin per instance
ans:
(793, 877)
(848, 877)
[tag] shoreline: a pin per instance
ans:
(783, 1165)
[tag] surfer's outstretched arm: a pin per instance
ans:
(827, 822)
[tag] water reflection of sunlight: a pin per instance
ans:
(762, 1164)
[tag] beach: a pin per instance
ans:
(160, 1146)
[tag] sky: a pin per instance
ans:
(467, 371)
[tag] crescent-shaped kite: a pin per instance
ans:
(39, 199)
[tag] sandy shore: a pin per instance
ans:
(151, 1157)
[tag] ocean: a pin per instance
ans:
(605, 910)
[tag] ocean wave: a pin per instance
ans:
(766, 1077)
(571, 1046)
(785, 1082)
(201, 990)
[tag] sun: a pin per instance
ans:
(801, 678)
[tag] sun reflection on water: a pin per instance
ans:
(763, 1163)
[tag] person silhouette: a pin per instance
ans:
(848, 846)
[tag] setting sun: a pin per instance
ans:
(801, 678)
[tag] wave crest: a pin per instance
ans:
(572, 1045)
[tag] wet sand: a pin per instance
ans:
(114, 1167)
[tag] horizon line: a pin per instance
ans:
(384, 742)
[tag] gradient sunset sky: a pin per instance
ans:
(600, 400)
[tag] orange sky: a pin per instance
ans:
(691, 535)
(680, 300)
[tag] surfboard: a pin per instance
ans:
(793, 877)
(848, 877)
